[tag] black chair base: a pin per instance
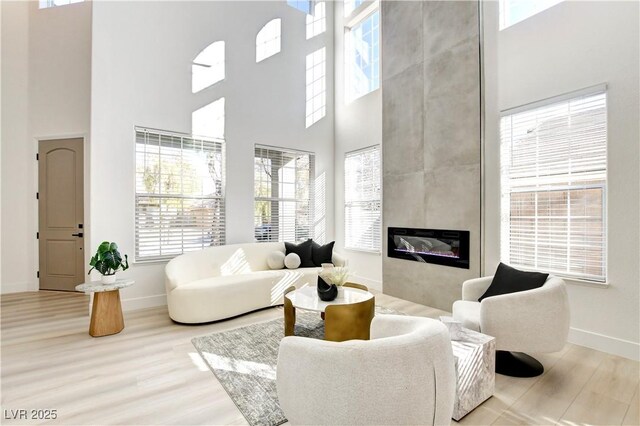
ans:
(517, 364)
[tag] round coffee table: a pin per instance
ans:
(106, 314)
(347, 317)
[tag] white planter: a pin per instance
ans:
(108, 279)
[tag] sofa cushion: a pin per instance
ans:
(322, 254)
(510, 280)
(292, 261)
(275, 260)
(303, 250)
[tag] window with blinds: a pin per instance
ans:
(554, 169)
(362, 197)
(179, 194)
(284, 189)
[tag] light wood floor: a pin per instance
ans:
(150, 373)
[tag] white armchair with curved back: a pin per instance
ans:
(404, 375)
(527, 321)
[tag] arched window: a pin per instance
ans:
(208, 67)
(268, 40)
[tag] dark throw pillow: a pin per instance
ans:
(303, 250)
(510, 280)
(322, 254)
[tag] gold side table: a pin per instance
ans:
(347, 317)
(106, 313)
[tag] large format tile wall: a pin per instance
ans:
(431, 137)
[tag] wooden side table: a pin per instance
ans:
(106, 314)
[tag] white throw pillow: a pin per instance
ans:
(292, 261)
(275, 260)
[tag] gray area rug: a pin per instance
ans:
(244, 361)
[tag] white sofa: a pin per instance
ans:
(225, 281)
(404, 375)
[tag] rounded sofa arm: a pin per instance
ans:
(338, 260)
(528, 321)
(180, 270)
(476, 287)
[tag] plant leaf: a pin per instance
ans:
(104, 247)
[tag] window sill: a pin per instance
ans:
(585, 283)
(151, 262)
(358, 250)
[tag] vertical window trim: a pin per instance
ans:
(505, 205)
(377, 249)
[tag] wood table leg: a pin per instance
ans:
(106, 315)
(289, 314)
(348, 322)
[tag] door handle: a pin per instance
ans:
(79, 234)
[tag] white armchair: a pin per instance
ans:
(528, 321)
(404, 375)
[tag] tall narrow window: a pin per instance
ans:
(554, 168)
(179, 202)
(317, 23)
(362, 55)
(208, 67)
(316, 86)
(362, 200)
(268, 40)
(283, 187)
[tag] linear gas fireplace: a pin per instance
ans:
(439, 246)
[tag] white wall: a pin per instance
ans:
(16, 272)
(46, 56)
(357, 125)
(141, 75)
(568, 47)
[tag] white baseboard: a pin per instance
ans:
(144, 302)
(608, 344)
(374, 284)
(6, 288)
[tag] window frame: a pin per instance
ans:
(265, 46)
(505, 205)
(347, 203)
(357, 17)
(137, 259)
(311, 195)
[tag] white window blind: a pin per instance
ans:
(179, 194)
(362, 196)
(284, 190)
(554, 167)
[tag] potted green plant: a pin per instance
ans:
(108, 261)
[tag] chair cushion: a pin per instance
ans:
(303, 250)
(468, 313)
(322, 254)
(510, 280)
